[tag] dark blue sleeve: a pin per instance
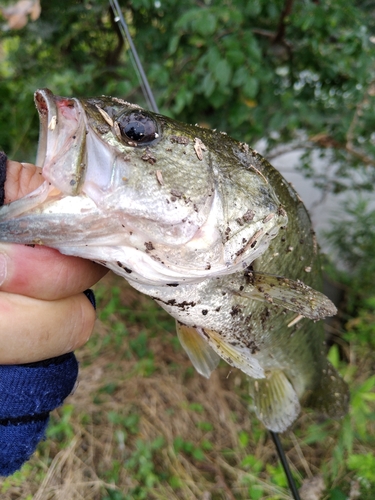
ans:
(28, 393)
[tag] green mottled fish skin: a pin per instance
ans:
(300, 348)
(204, 225)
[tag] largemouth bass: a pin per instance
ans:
(201, 223)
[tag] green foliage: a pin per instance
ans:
(60, 428)
(243, 439)
(356, 427)
(141, 464)
(337, 494)
(196, 452)
(129, 422)
(353, 236)
(364, 465)
(205, 426)
(361, 329)
(252, 463)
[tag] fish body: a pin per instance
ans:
(201, 223)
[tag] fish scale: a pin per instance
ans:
(204, 225)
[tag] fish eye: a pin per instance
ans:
(137, 128)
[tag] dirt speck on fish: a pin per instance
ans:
(232, 258)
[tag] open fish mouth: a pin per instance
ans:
(62, 148)
(49, 214)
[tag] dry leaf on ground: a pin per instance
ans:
(312, 488)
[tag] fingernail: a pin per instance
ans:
(3, 268)
(90, 295)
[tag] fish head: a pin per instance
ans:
(156, 200)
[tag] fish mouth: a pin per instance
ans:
(62, 141)
(42, 216)
(46, 107)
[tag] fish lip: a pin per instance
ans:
(46, 107)
(62, 141)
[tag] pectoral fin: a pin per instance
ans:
(202, 356)
(276, 402)
(287, 293)
(234, 354)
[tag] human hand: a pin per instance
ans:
(44, 317)
(42, 308)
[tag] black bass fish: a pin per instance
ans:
(201, 223)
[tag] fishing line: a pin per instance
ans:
(119, 18)
(284, 462)
(147, 92)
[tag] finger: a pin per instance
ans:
(44, 273)
(49, 328)
(21, 179)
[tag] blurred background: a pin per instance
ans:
(296, 80)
